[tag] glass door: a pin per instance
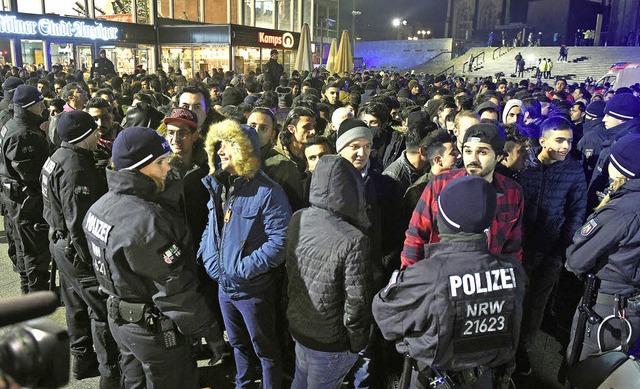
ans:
(84, 58)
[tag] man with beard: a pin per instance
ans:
(108, 128)
(483, 146)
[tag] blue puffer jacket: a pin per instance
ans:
(241, 254)
(554, 204)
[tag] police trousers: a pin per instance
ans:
(147, 364)
(86, 310)
(32, 243)
(610, 333)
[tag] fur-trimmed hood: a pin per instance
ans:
(245, 142)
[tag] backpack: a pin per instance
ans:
(454, 311)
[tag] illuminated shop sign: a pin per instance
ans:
(10, 24)
(285, 40)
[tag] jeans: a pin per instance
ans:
(320, 369)
(250, 324)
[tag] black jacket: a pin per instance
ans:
(104, 66)
(329, 276)
(273, 71)
(403, 172)
(433, 309)
(554, 204)
(24, 150)
(71, 183)
(143, 253)
(608, 245)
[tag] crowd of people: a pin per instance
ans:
(273, 206)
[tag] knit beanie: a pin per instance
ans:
(624, 107)
(487, 105)
(413, 84)
(136, 147)
(350, 130)
(11, 83)
(468, 204)
(625, 156)
(26, 95)
(76, 126)
(595, 109)
(487, 133)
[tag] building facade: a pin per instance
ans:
(193, 35)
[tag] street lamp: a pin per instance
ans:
(422, 32)
(397, 23)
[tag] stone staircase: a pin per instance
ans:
(582, 62)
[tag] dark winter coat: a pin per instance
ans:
(590, 145)
(608, 245)
(600, 179)
(329, 274)
(403, 172)
(554, 204)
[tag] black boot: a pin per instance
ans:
(85, 366)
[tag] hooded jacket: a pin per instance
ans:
(329, 274)
(510, 104)
(248, 217)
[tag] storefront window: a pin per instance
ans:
(210, 57)
(5, 51)
(61, 53)
(264, 13)
(5, 5)
(122, 11)
(247, 59)
(246, 14)
(66, 8)
(32, 52)
(177, 58)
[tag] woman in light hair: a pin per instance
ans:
(608, 245)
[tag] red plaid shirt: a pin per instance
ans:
(505, 235)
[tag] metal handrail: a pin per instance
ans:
(494, 52)
(475, 60)
(501, 52)
(445, 70)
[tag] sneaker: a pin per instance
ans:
(523, 365)
(85, 366)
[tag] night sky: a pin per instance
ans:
(375, 21)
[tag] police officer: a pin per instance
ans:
(143, 257)
(71, 183)
(607, 246)
(460, 308)
(24, 150)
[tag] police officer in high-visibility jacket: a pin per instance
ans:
(143, 257)
(71, 183)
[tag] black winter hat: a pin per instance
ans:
(625, 157)
(76, 126)
(136, 147)
(467, 204)
(232, 96)
(11, 83)
(487, 133)
(143, 115)
(26, 95)
(623, 106)
(350, 130)
(595, 109)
